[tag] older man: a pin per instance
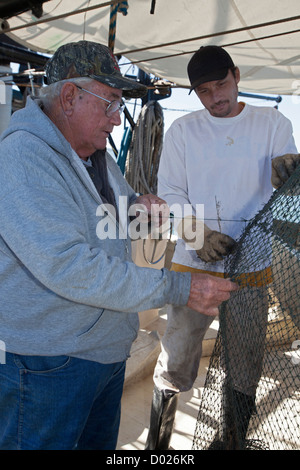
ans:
(69, 290)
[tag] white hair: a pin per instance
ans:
(48, 93)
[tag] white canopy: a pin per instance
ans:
(262, 36)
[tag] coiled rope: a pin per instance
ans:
(145, 149)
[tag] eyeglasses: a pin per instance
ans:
(113, 106)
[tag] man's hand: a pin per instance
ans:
(216, 246)
(153, 209)
(208, 292)
(282, 168)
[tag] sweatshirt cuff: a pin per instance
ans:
(180, 288)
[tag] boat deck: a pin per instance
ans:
(137, 397)
(136, 407)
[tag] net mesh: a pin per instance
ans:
(251, 396)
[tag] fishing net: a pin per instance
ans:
(251, 397)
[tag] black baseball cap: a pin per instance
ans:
(93, 60)
(207, 64)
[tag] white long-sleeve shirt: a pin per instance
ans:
(224, 164)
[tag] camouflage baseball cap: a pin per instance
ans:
(93, 60)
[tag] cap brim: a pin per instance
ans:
(210, 77)
(130, 88)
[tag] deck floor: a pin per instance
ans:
(137, 397)
(136, 406)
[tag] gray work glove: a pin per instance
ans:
(210, 246)
(282, 168)
(216, 246)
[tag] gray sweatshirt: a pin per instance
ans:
(63, 290)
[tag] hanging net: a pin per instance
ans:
(251, 397)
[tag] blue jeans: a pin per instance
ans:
(59, 403)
